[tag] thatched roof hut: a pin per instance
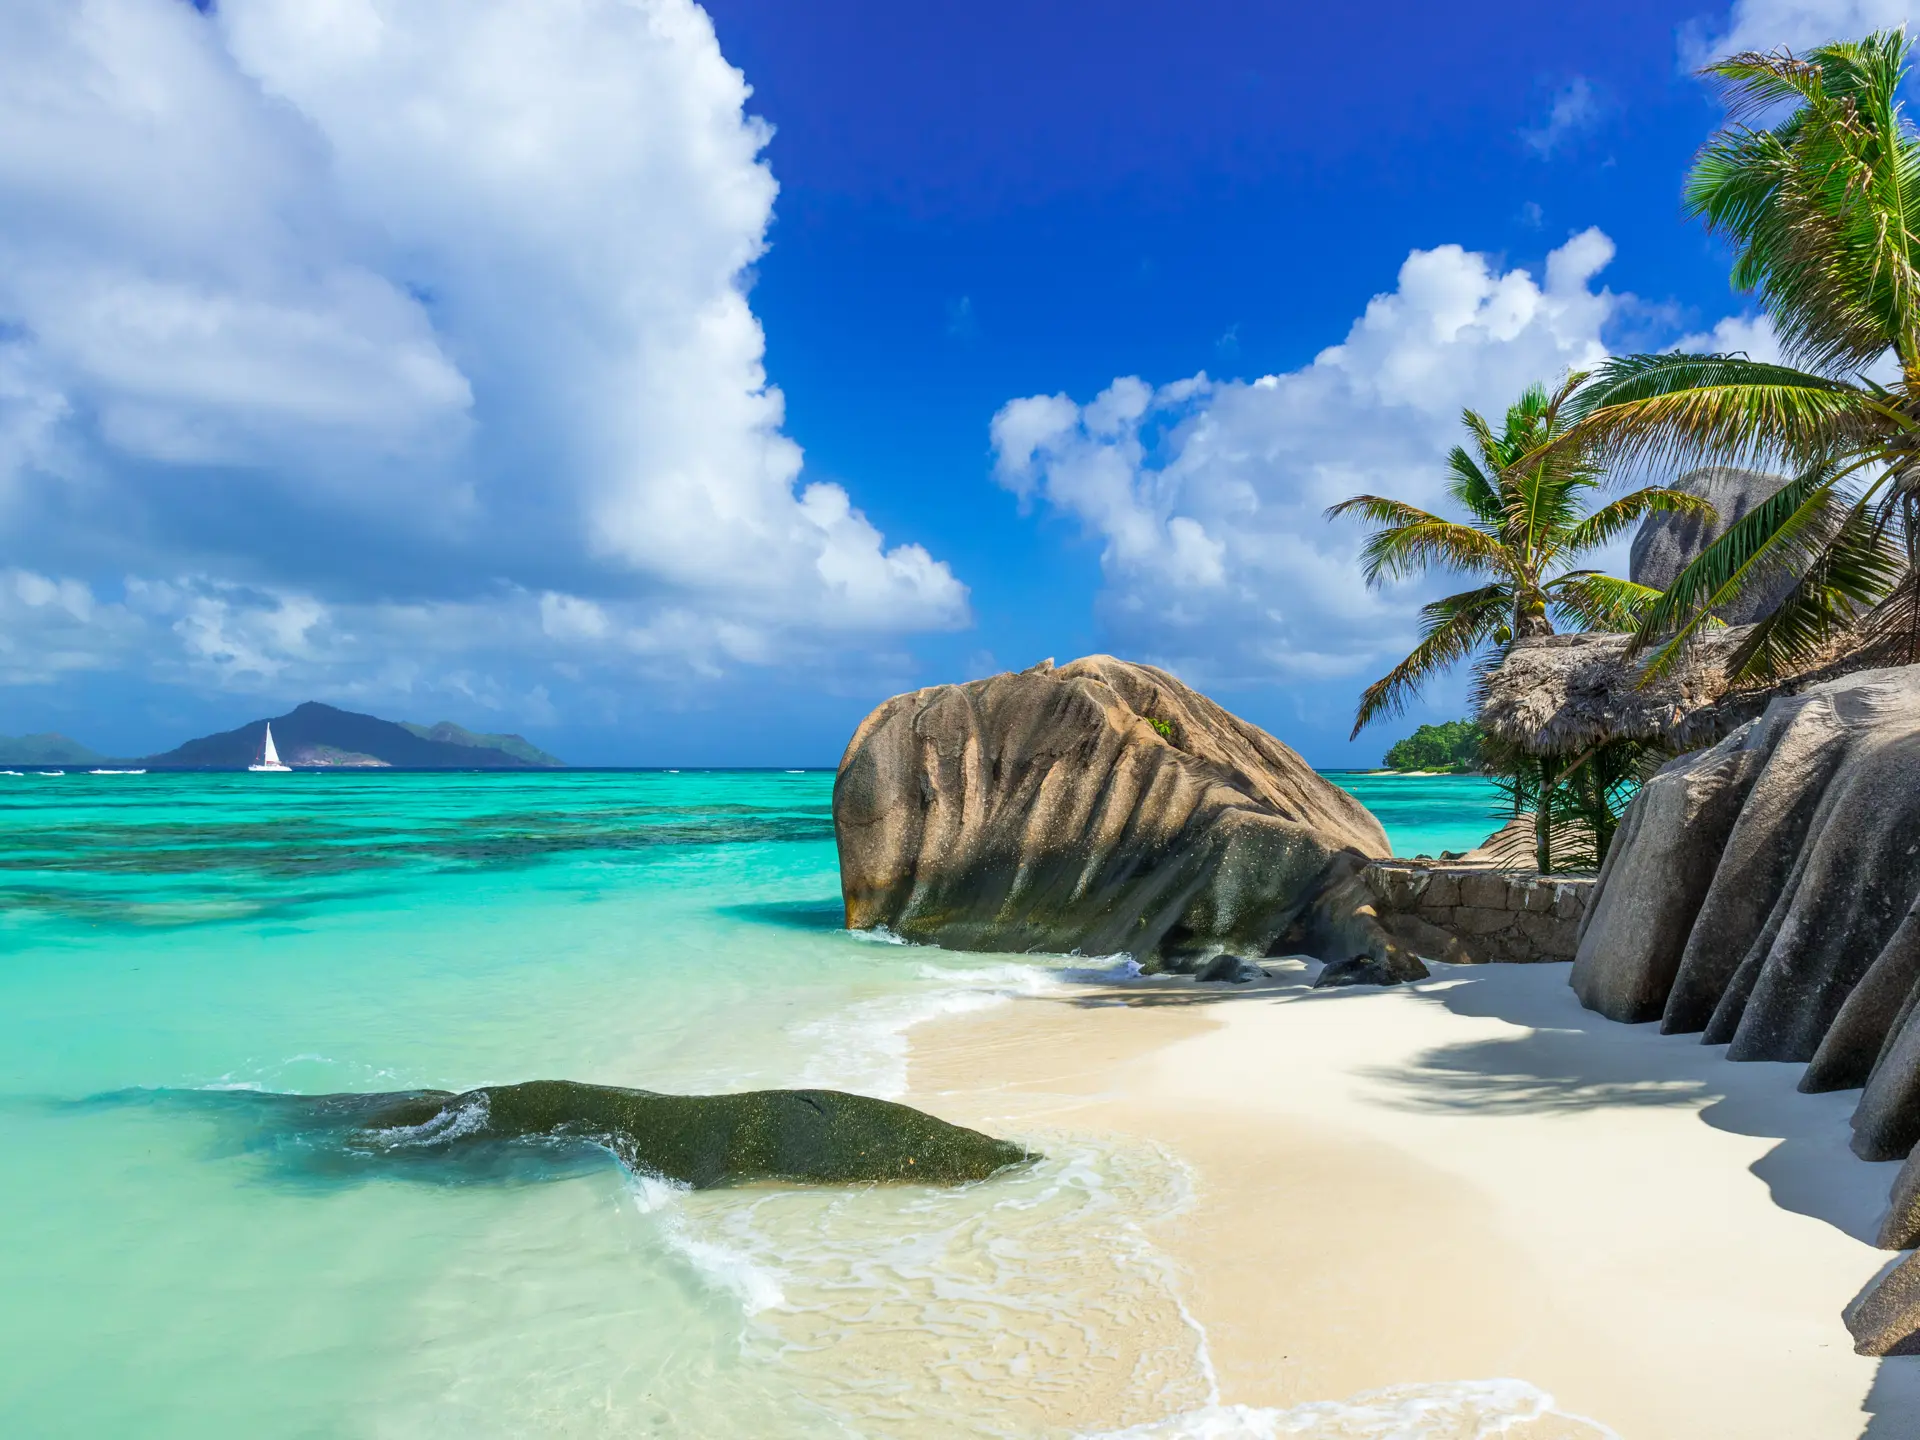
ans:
(1564, 694)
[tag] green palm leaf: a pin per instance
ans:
(1598, 601)
(1769, 537)
(1856, 566)
(1451, 630)
(1614, 519)
(1680, 410)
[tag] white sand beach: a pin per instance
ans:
(1470, 1179)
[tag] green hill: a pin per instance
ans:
(47, 749)
(448, 733)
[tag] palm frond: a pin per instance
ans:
(1820, 206)
(1469, 486)
(1629, 510)
(1764, 541)
(1679, 410)
(1856, 566)
(1451, 630)
(1599, 601)
(1411, 540)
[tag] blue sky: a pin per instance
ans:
(672, 385)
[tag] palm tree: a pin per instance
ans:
(1822, 207)
(1526, 499)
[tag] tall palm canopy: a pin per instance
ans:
(1815, 181)
(1527, 500)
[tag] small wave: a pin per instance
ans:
(49, 773)
(1459, 1410)
(12, 772)
(879, 935)
(116, 772)
(449, 1124)
(980, 1309)
(754, 1284)
(864, 1048)
(1123, 967)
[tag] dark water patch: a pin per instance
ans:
(210, 906)
(550, 1129)
(294, 856)
(791, 914)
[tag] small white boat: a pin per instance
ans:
(270, 757)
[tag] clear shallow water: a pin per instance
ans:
(1426, 814)
(163, 1273)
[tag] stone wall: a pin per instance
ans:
(1468, 914)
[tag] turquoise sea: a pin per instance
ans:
(171, 1265)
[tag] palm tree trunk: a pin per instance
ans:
(1543, 815)
(1530, 615)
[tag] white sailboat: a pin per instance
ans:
(270, 757)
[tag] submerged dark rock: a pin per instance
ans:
(1231, 970)
(1365, 970)
(820, 1137)
(823, 1137)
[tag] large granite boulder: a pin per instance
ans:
(1766, 894)
(1756, 885)
(1100, 807)
(1666, 544)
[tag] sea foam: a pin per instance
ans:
(1455, 1410)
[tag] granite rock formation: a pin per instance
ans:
(1765, 893)
(1100, 807)
(1666, 544)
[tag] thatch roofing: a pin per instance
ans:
(1563, 694)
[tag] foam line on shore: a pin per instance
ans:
(1456, 1410)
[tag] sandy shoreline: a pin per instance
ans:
(1469, 1179)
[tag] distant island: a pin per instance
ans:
(310, 736)
(45, 749)
(1449, 749)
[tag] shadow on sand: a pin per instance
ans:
(1570, 1059)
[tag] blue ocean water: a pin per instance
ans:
(1429, 814)
(169, 943)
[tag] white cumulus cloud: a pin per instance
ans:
(1207, 496)
(411, 307)
(1795, 24)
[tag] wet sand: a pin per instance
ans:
(1469, 1179)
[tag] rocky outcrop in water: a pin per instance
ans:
(1765, 893)
(1100, 807)
(818, 1137)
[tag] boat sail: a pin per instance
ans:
(270, 757)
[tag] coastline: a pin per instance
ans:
(1467, 1179)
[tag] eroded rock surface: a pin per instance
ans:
(1101, 807)
(1766, 894)
(549, 1127)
